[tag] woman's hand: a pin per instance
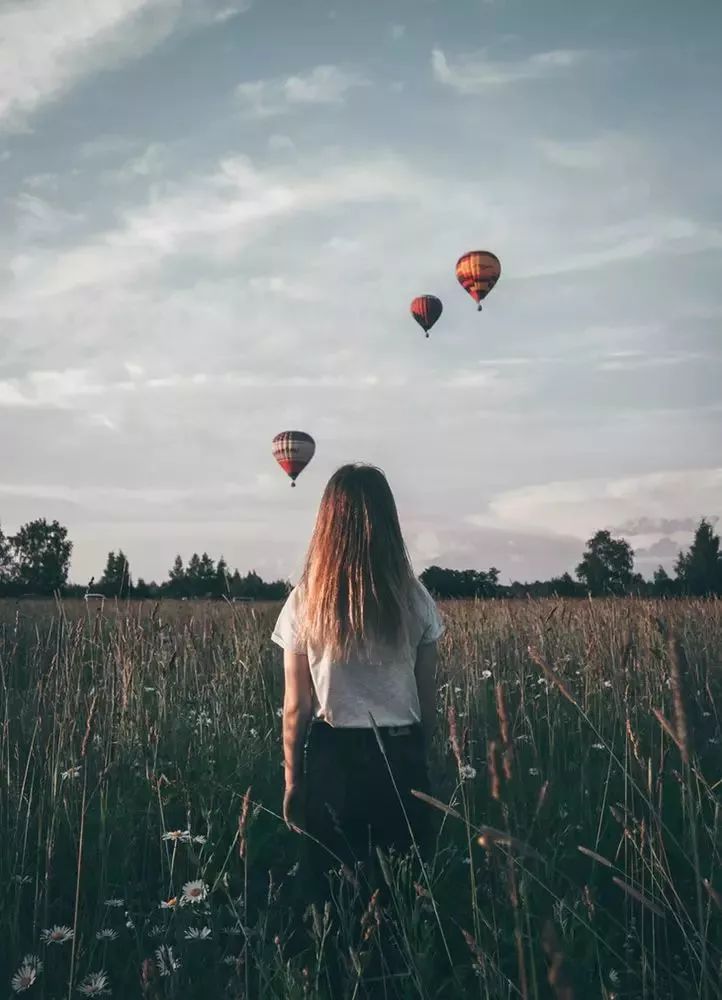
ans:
(293, 808)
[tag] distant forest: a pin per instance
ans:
(36, 561)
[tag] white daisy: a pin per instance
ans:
(156, 930)
(279, 713)
(115, 904)
(614, 977)
(166, 960)
(607, 684)
(200, 839)
(70, 774)
(598, 746)
(253, 733)
(485, 675)
(467, 772)
(178, 836)
(95, 984)
(59, 934)
(27, 974)
(230, 960)
(169, 904)
(197, 933)
(534, 771)
(106, 934)
(195, 892)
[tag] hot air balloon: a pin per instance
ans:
(293, 450)
(478, 272)
(426, 309)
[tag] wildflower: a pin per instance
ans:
(598, 746)
(106, 934)
(197, 934)
(534, 771)
(129, 923)
(485, 675)
(70, 774)
(27, 974)
(156, 930)
(178, 836)
(457, 690)
(200, 839)
(167, 962)
(195, 892)
(230, 960)
(614, 977)
(59, 934)
(253, 733)
(169, 904)
(115, 904)
(94, 985)
(279, 713)
(467, 772)
(607, 684)
(235, 931)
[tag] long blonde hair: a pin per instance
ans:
(357, 580)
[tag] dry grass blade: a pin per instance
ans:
(559, 975)
(639, 896)
(437, 804)
(243, 823)
(679, 677)
(552, 676)
(594, 856)
(490, 837)
(712, 892)
(667, 727)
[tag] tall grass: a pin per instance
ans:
(577, 776)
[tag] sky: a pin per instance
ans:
(215, 215)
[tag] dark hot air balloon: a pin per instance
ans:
(426, 309)
(478, 272)
(293, 450)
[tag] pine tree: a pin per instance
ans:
(699, 571)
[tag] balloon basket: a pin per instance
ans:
(293, 486)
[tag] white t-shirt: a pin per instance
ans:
(380, 681)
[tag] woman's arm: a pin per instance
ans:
(425, 671)
(297, 710)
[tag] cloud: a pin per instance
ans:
(224, 209)
(322, 85)
(580, 507)
(47, 47)
(473, 75)
(38, 218)
(610, 150)
(659, 525)
(150, 163)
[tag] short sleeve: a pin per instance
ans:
(433, 626)
(286, 632)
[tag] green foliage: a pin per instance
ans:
(607, 565)
(41, 556)
(699, 571)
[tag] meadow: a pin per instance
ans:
(577, 780)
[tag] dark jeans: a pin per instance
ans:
(352, 806)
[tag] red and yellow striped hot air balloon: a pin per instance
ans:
(293, 450)
(426, 309)
(478, 271)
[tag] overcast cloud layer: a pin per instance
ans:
(215, 215)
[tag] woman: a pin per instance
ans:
(359, 635)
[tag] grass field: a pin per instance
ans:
(140, 753)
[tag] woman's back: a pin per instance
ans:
(377, 676)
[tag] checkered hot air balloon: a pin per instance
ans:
(293, 450)
(478, 272)
(426, 309)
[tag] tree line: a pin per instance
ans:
(606, 570)
(36, 560)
